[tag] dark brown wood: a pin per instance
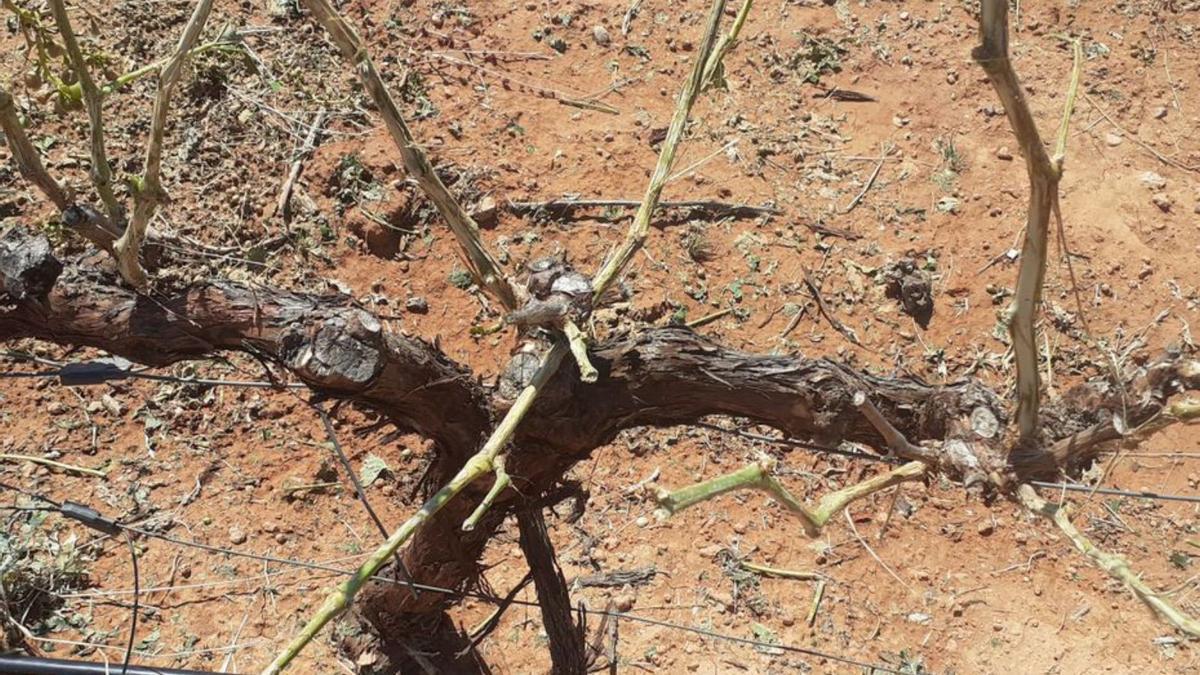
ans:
(567, 647)
(324, 340)
(565, 207)
(28, 267)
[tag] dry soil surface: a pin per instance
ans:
(926, 170)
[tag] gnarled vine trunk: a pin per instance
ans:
(656, 377)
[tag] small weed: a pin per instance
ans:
(950, 157)
(912, 664)
(765, 636)
(353, 182)
(638, 51)
(817, 56)
(745, 582)
(697, 245)
(952, 164)
(460, 278)
(149, 643)
(347, 629)
(746, 243)
(460, 13)
(735, 289)
(1094, 50)
(37, 564)
(414, 92)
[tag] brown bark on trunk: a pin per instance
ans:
(567, 647)
(658, 377)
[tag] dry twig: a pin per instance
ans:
(150, 190)
(101, 172)
(887, 149)
(1044, 175)
(282, 206)
(482, 264)
(486, 460)
(26, 156)
(1115, 565)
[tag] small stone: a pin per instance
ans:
(1112, 140)
(624, 602)
(904, 16)
(1152, 180)
(417, 305)
(236, 535)
(1004, 154)
(281, 538)
(600, 35)
(57, 408)
(919, 618)
(1160, 112)
(985, 528)
(110, 404)
(642, 521)
(951, 77)
(788, 619)
(1162, 200)
(486, 213)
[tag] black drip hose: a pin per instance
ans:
(29, 665)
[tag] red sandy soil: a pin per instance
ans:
(947, 582)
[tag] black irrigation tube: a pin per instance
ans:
(34, 665)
